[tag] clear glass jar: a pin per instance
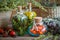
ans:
(38, 26)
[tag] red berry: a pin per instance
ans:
(1, 31)
(12, 33)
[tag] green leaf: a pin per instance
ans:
(14, 3)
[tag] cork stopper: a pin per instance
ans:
(38, 19)
(23, 7)
(19, 8)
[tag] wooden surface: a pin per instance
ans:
(17, 38)
(26, 37)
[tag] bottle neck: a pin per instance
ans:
(30, 7)
(20, 10)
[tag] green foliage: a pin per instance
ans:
(9, 4)
(48, 36)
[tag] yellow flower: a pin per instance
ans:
(30, 15)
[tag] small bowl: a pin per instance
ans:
(31, 34)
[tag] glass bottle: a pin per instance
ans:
(30, 14)
(20, 21)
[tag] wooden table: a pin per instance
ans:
(25, 37)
